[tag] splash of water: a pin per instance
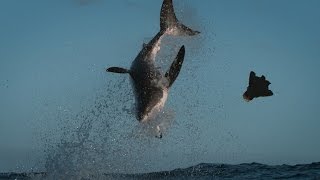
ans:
(84, 148)
(106, 138)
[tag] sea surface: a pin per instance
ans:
(205, 171)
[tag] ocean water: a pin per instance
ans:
(205, 171)
(63, 117)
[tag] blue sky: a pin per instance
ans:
(53, 55)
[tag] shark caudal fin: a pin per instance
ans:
(175, 67)
(169, 22)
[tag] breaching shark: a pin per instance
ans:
(150, 85)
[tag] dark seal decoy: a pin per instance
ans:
(258, 87)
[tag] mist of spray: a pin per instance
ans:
(105, 137)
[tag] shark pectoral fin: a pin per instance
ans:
(168, 20)
(174, 70)
(118, 70)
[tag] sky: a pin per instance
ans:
(53, 57)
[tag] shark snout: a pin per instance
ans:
(141, 116)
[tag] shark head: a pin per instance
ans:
(151, 104)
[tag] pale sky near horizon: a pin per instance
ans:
(53, 55)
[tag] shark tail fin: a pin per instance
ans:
(170, 24)
(175, 67)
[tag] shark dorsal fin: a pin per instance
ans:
(175, 67)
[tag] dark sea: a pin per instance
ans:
(204, 171)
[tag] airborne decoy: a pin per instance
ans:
(258, 87)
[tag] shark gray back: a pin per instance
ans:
(150, 85)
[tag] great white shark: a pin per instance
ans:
(150, 85)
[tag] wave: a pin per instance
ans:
(206, 171)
